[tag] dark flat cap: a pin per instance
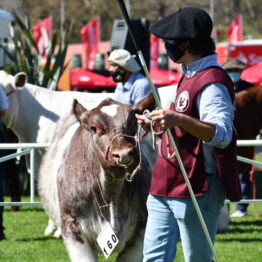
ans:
(187, 22)
(234, 64)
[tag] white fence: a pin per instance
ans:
(25, 149)
(31, 147)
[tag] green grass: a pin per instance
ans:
(259, 158)
(26, 242)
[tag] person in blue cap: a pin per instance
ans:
(201, 121)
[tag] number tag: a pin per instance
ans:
(107, 240)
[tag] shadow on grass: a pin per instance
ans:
(240, 240)
(29, 239)
(246, 226)
(254, 222)
(25, 209)
(242, 230)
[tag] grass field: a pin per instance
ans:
(26, 242)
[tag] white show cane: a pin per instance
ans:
(183, 171)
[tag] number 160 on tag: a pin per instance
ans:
(107, 240)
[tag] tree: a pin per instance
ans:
(27, 57)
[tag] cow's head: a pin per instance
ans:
(112, 126)
(11, 83)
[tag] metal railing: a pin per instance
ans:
(29, 148)
(25, 149)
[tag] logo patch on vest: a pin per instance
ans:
(182, 102)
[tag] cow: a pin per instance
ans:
(84, 179)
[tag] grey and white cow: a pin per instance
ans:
(83, 184)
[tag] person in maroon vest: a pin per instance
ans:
(201, 121)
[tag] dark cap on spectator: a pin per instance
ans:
(234, 64)
(187, 22)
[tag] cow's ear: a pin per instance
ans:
(20, 79)
(147, 102)
(79, 110)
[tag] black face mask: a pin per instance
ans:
(173, 51)
(118, 76)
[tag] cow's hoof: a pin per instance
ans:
(50, 230)
(57, 233)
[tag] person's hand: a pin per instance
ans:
(165, 118)
(144, 122)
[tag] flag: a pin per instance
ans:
(42, 33)
(234, 30)
(90, 38)
(154, 51)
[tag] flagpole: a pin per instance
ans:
(211, 9)
(128, 7)
(98, 34)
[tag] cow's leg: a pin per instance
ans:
(57, 233)
(133, 252)
(80, 251)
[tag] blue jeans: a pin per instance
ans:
(170, 219)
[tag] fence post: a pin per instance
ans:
(32, 175)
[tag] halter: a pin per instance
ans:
(137, 138)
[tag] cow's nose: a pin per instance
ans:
(123, 157)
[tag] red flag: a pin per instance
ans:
(42, 33)
(90, 39)
(234, 31)
(154, 51)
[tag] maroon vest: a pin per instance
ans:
(167, 178)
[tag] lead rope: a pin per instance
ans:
(254, 187)
(130, 177)
(156, 138)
